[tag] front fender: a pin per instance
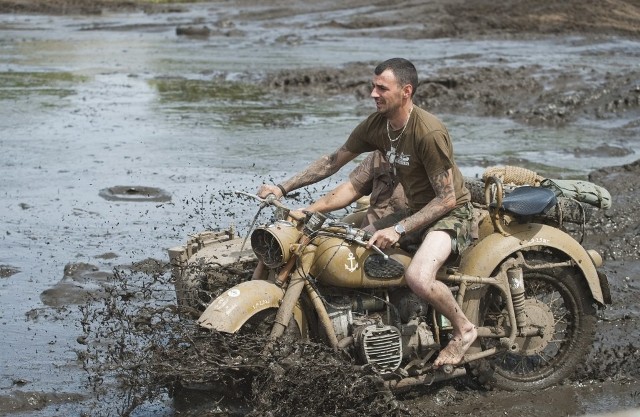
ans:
(486, 255)
(230, 310)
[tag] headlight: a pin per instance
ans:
(272, 243)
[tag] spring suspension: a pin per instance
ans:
(516, 284)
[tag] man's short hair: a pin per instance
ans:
(404, 71)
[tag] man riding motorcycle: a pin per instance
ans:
(420, 153)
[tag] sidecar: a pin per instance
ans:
(206, 265)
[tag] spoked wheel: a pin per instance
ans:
(559, 304)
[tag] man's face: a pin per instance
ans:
(386, 92)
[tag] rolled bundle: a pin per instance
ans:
(567, 209)
(513, 175)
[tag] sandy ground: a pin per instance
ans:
(614, 366)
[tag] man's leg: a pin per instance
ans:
(421, 278)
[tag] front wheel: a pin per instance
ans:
(227, 364)
(559, 303)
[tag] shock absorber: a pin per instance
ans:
(516, 284)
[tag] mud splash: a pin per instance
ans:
(150, 350)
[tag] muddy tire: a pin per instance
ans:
(260, 324)
(199, 284)
(192, 292)
(228, 386)
(562, 296)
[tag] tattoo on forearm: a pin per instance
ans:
(318, 170)
(443, 202)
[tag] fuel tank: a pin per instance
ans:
(344, 264)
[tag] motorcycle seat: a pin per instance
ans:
(528, 201)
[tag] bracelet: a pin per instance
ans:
(284, 193)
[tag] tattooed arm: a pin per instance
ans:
(340, 197)
(444, 202)
(324, 167)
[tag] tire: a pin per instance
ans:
(193, 294)
(260, 324)
(199, 284)
(560, 294)
(233, 385)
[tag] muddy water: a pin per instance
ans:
(119, 104)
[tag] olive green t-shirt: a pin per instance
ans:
(423, 150)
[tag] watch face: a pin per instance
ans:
(399, 229)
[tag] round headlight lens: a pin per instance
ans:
(272, 243)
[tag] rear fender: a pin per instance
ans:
(483, 258)
(230, 311)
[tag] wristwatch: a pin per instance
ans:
(399, 229)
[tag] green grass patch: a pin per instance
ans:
(14, 85)
(182, 90)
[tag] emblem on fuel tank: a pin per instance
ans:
(352, 265)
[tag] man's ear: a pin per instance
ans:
(407, 90)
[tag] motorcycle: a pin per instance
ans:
(528, 285)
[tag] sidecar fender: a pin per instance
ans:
(229, 311)
(488, 253)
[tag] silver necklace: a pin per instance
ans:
(391, 155)
(403, 127)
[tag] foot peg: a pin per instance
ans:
(447, 369)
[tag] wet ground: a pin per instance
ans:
(123, 130)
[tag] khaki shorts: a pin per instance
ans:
(458, 223)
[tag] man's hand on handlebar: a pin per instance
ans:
(384, 238)
(266, 189)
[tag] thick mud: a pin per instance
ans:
(135, 349)
(215, 374)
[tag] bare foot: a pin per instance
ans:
(454, 352)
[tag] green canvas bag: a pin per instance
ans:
(582, 191)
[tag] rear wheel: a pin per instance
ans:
(559, 303)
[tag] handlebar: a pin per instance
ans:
(272, 200)
(374, 247)
(269, 200)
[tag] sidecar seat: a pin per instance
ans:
(528, 201)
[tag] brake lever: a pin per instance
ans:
(374, 247)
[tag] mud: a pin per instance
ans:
(127, 311)
(297, 379)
